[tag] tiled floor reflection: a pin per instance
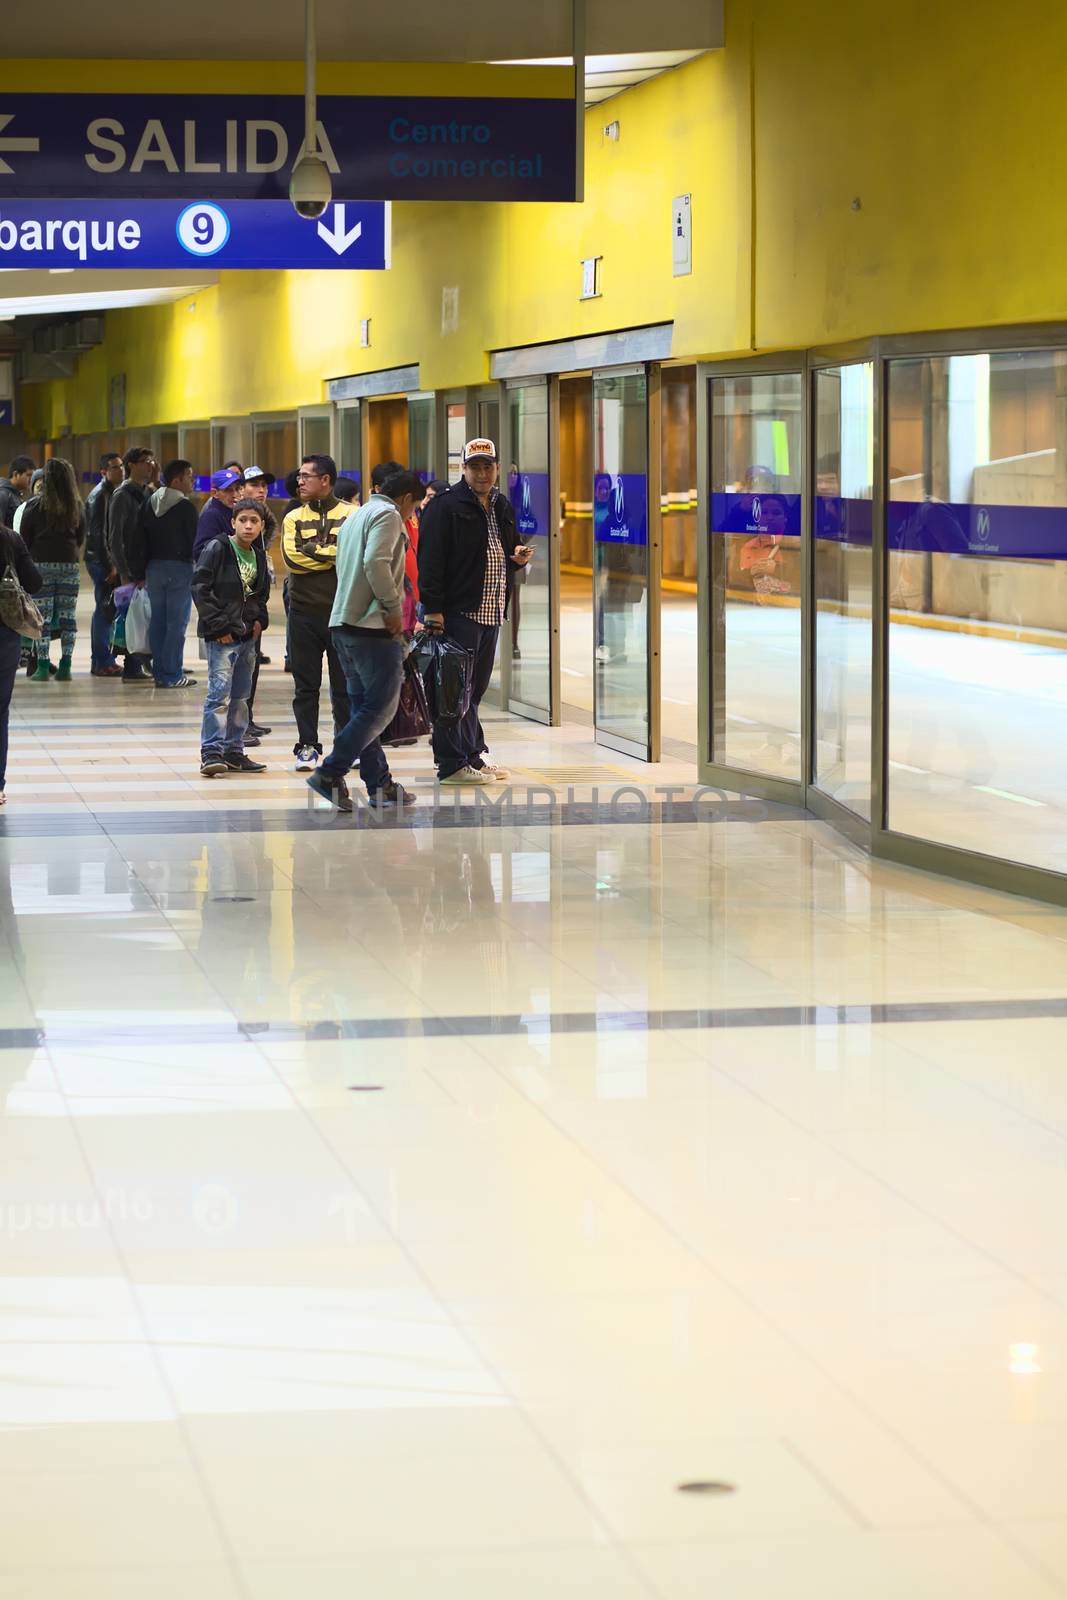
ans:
(408, 1213)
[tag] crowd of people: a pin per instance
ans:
(360, 583)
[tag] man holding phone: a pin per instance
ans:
(468, 555)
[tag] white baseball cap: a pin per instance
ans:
(479, 450)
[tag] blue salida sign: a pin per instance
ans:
(172, 233)
(620, 508)
(377, 147)
(529, 496)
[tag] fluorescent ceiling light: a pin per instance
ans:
(93, 300)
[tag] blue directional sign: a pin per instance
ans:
(175, 233)
(243, 146)
(7, 413)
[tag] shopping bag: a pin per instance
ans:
(17, 611)
(447, 670)
(138, 617)
(412, 717)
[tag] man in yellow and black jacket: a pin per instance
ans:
(309, 550)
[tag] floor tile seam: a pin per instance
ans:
(768, 1319)
(465, 1336)
(826, 1483)
(771, 1320)
(212, 1508)
(872, 1176)
(981, 1089)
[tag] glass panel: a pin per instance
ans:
(976, 530)
(420, 436)
(168, 445)
(350, 444)
(316, 434)
(489, 420)
(276, 450)
(678, 603)
(841, 524)
(755, 563)
(196, 447)
(457, 438)
(620, 554)
(528, 490)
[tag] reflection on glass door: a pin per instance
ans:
(976, 532)
(533, 627)
(456, 423)
(350, 444)
(755, 522)
(622, 699)
(841, 526)
(420, 435)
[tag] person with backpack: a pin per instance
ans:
(53, 531)
(15, 564)
(230, 589)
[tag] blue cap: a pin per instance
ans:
(225, 478)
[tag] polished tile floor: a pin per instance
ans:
(411, 1211)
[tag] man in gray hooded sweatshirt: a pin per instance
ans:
(168, 525)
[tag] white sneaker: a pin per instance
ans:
(498, 774)
(471, 775)
(603, 653)
(307, 758)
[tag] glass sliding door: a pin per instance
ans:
(843, 578)
(532, 632)
(316, 431)
(624, 708)
(754, 513)
(420, 457)
(350, 442)
(976, 587)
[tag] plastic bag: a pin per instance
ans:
(412, 716)
(447, 670)
(138, 617)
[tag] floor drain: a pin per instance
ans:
(365, 1088)
(231, 899)
(706, 1486)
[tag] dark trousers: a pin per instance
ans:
(100, 633)
(10, 651)
(374, 672)
(460, 744)
(309, 641)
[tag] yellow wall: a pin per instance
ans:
(946, 121)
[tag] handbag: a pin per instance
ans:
(17, 611)
(411, 720)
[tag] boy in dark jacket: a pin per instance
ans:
(230, 588)
(168, 526)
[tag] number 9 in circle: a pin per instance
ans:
(203, 228)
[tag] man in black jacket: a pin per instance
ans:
(230, 588)
(168, 528)
(14, 488)
(468, 552)
(98, 566)
(123, 538)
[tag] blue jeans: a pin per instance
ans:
(229, 680)
(170, 594)
(374, 672)
(100, 632)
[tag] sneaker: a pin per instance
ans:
(307, 757)
(264, 661)
(498, 774)
(391, 793)
(258, 730)
(603, 653)
(182, 683)
(472, 775)
(241, 763)
(250, 739)
(137, 677)
(334, 790)
(213, 767)
(107, 672)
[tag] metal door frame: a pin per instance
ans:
(506, 452)
(650, 371)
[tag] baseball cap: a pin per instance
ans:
(258, 472)
(225, 478)
(479, 450)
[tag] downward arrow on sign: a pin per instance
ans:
(335, 235)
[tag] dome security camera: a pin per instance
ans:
(310, 188)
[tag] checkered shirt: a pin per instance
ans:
(491, 611)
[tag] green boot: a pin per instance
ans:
(41, 675)
(63, 675)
